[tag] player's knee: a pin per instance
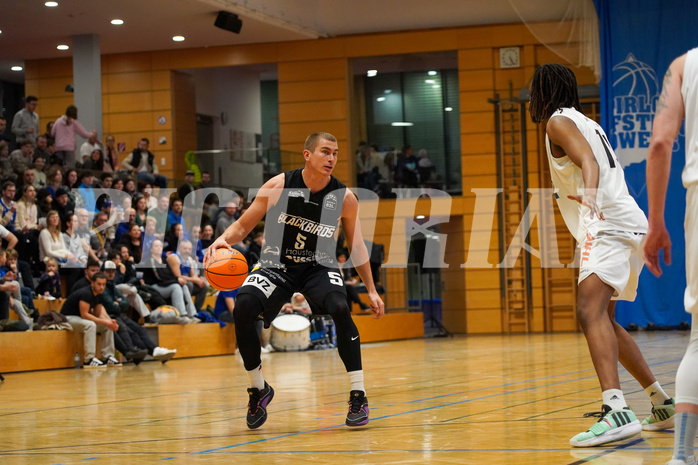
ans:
(336, 304)
(247, 308)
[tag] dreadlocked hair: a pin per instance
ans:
(553, 87)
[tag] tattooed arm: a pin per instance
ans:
(667, 122)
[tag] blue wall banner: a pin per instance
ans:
(639, 39)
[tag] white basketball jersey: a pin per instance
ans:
(619, 208)
(689, 90)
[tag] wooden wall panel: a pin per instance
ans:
(476, 101)
(477, 58)
(308, 91)
(314, 95)
(313, 111)
(477, 122)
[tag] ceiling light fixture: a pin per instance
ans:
(380, 99)
(371, 72)
(401, 123)
(432, 73)
(430, 81)
(387, 91)
(436, 86)
(62, 47)
(16, 68)
(448, 109)
(117, 22)
(51, 4)
(178, 38)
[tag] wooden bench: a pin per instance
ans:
(44, 350)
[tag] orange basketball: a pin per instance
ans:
(227, 270)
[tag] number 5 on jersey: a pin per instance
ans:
(300, 241)
(335, 278)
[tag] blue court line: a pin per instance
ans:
(465, 392)
(383, 417)
(423, 409)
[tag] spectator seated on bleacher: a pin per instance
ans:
(161, 278)
(51, 243)
(127, 268)
(50, 281)
(132, 240)
(141, 207)
(87, 315)
(128, 289)
(171, 242)
(141, 163)
(10, 295)
(22, 275)
(91, 268)
(131, 339)
(184, 265)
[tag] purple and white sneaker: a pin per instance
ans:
(257, 407)
(358, 409)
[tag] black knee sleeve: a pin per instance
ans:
(348, 342)
(247, 309)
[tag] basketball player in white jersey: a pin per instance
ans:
(609, 228)
(679, 98)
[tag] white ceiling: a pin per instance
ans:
(31, 30)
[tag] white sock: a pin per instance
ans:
(684, 435)
(256, 378)
(656, 393)
(614, 399)
(356, 378)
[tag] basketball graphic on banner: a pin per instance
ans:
(636, 90)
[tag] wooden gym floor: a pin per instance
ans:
(472, 400)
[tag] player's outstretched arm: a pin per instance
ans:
(565, 134)
(665, 128)
(267, 196)
(357, 249)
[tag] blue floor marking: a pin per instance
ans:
(427, 408)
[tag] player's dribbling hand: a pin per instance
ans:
(219, 243)
(657, 239)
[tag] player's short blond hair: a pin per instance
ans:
(313, 139)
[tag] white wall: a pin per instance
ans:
(236, 91)
(233, 90)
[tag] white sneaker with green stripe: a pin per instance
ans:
(662, 417)
(613, 425)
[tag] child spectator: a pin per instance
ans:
(50, 281)
(24, 280)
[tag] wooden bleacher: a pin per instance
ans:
(44, 350)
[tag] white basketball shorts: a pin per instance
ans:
(616, 258)
(690, 298)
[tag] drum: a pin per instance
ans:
(290, 333)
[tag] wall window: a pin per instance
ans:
(412, 118)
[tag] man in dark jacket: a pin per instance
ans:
(141, 162)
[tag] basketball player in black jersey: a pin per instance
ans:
(303, 210)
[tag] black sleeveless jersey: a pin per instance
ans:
(301, 228)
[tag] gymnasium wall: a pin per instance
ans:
(315, 86)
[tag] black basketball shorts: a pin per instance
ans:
(274, 287)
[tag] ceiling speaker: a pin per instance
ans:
(228, 21)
